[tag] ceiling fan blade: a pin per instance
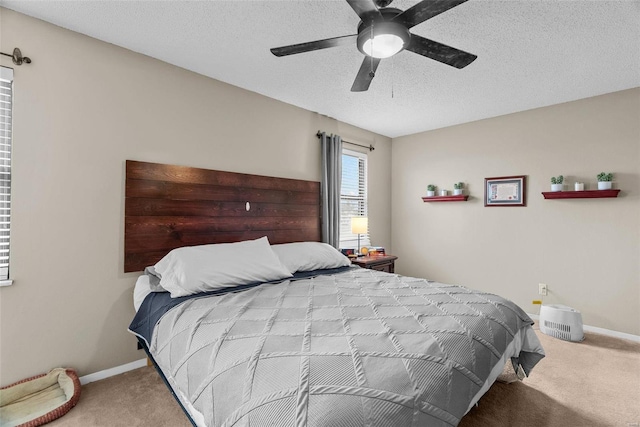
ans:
(440, 52)
(424, 10)
(366, 9)
(365, 74)
(315, 45)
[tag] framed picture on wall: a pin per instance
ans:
(505, 191)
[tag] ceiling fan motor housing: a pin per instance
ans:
(383, 3)
(370, 29)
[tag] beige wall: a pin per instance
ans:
(587, 251)
(81, 109)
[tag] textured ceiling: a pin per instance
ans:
(530, 53)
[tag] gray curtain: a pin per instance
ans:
(330, 188)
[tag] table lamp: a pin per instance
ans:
(359, 225)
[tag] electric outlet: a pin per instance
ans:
(542, 289)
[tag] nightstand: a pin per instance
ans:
(384, 263)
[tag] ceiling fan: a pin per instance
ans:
(383, 32)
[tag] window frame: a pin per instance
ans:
(349, 240)
(6, 133)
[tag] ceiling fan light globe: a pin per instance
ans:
(382, 39)
(383, 45)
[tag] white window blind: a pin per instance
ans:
(353, 197)
(6, 96)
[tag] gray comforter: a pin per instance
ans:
(358, 348)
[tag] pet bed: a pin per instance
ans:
(40, 399)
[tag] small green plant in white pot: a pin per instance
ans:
(556, 183)
(431, 190)
(604, 181)
(458, 188)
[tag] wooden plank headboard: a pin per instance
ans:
(167, 207)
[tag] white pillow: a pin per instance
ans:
(308, 256)
(194, 269)
(141, 290)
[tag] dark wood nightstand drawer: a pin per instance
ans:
(384, 263)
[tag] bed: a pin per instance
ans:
(289, 333)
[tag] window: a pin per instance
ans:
(353, 197)
(6, 92)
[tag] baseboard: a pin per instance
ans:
(101, 375)
(601, 331)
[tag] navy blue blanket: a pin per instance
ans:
(156, 304)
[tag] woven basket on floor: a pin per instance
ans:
(25, 404)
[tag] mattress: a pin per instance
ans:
(352, 348)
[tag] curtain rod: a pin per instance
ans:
(17, 57)
(370, 147)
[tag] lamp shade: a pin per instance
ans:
(359, 224)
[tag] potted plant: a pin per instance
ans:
(604, 181)
(457, 188)
(431, 190)
(556, 183)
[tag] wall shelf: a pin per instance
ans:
(587, 194)
(460, 198)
